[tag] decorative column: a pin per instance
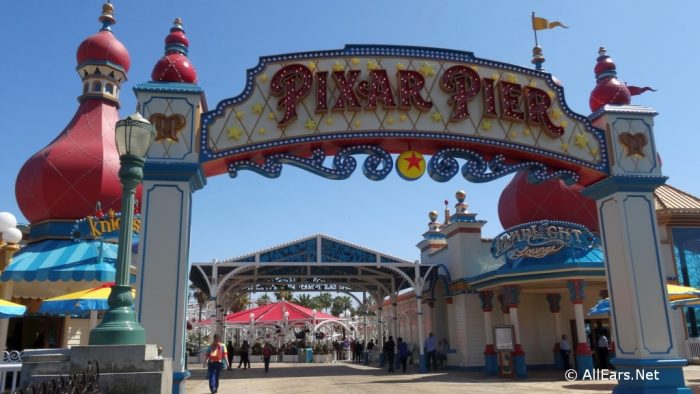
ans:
(611, 335)
(584, 359)
(511, 297)
(553, 300)
(504, 309)
(395, 311)
(490, 357)
(380, 324)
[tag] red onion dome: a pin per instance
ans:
(608, 89)
(522, 202)
(103, 47)
(175, 66)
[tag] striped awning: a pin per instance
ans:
(63, 260)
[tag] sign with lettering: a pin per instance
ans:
(542, 239)
(104, 227)
(392, 96)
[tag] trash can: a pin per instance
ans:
(309, 355)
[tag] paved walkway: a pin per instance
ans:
(350, 378)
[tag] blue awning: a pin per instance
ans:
(64, 260)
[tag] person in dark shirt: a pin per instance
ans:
(402, 348)
(389, 349)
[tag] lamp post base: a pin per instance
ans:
(119, 325)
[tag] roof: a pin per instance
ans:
(668, 197)
(274, 313)
(63, 260)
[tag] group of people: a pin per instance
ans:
(219, 357)
(436, 352)
(602, 350)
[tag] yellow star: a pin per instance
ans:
(594, 151)
(234, 133)
(357, 124)
(526, 132)
(257, 109)
(486, 124)
(390, 120)
(475, 68)
(312, 66)
(436, 116)
(338, 66)
(581, 140)
(533, 83)
(564, 123)
(371, 65)
(400, 66)
(263, 78)
(355, 61)
(555, 114)
(402, 117)
(511, 78)
(565, 147)
(261, 130)
(271, 116)
(310, 125)
(551, 94)
(329, 120)
(494, 76)
(239, 115)
(427, 69)
(512, 135)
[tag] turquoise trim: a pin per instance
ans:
(54, 229)
(175, 172)
(422, 364)
(623, 183)
(171, 87)
(485, 281)
(519, 366)
(584, 365)
(656, 376)
(178, 381)
(491, 364)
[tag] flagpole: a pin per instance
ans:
(533, 27)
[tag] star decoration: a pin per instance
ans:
(486, 125)
(494, 76)
(427, 70)
(262, 130)
(475, 68)
(413, 161)
(357, 123)
(312, 66)
(526, 132)
(436, 116)
(371, 65)
(581, 140)
(565, 147)
(400, 66)
(271, 116)
(310, 125)
(263, 78)
(564, 124)
(532, 83)
(355, 61)
(239, 115)
(594, 151)
(338, 66)
(234, 133)
(390, 120)
(511, 78)
(551, 94)
(555, 114)
(329, 120)
(257, 109)
(402, 117)
(512, 134)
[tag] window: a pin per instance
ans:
(686, 251)
(109, 88)
(97, 87)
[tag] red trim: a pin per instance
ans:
(518, 350)
(489, 350)
(488, 309)
(577, 302)
(583, 349)
(612, 347)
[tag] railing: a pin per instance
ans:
(77, 383)
(692, 346)
(10, 368)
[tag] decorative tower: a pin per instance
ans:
(175, 66)
(608, 89)
(80, 167)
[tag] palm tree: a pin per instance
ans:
(324, 301)
(341, 304)
(263, 300)
(303, 300)
(284, 294)
(234, 301)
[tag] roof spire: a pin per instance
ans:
(537, 57)
(107, 17)
(447, 213)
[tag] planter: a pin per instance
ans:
(290, 358)
(323, 358)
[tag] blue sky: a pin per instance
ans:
(651, 43)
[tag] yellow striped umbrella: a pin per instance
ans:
(79, 302)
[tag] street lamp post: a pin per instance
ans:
(313, 338)
(252, 321)
(119, 325)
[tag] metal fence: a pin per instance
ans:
(78, 383)
(692, 346)
(10, 368)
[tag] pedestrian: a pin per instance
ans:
(389, 349)
(402, 348)
(444, 349)
(230, 351)
(603, 350)
(564, 350)
(245, 360)
(215, 360)
(430, 349)
(266, 353)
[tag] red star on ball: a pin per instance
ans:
(413, 161)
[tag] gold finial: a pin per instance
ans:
(107, 16)
(601, 51)
(433, 215)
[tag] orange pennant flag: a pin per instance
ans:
(542, 24)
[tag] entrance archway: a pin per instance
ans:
(299, 109)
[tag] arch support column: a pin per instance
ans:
(490, 357)
(553, 300)
(584, 358)
(511, 298)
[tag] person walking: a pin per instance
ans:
(230, 351)
(245, 360)
(389, 349)
(603, 345)
(403, 351)
(266, 353)
(430, 350)
(564, 351)
(215, 360)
